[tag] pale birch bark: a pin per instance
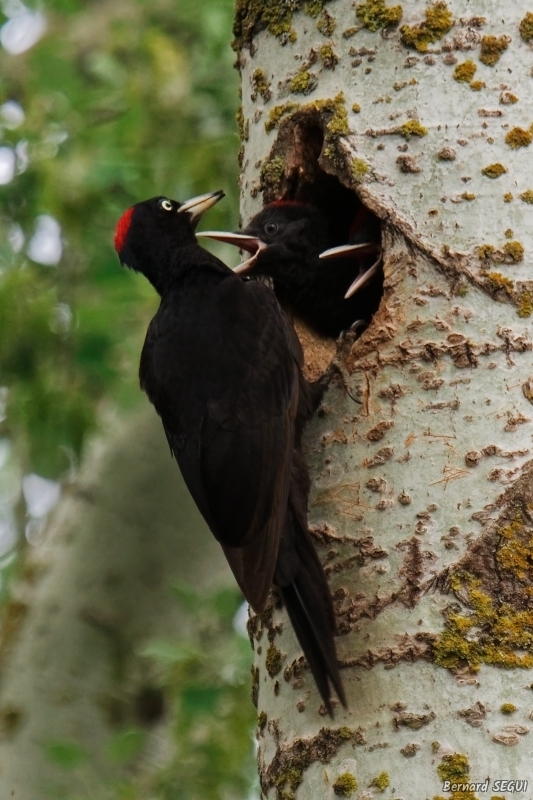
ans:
(91, 596)
(422, 495)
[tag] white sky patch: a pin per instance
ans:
(45, 246)
(11, 115)
(8, 536)
(23, 29)
(23, 159)
(40, 494)
(15, 237)
(7, 165)
(240, 619)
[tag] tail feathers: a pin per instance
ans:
(310, 608)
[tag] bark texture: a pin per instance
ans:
(421, 454)
(91, 597)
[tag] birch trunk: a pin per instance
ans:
(421, 457)
(91, 596)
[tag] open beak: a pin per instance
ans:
(363, 278)
(251, 244)
(196, 206)
(348, 250)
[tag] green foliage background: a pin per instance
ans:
(123, 100)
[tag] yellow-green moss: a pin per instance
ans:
(288, 781)
(277, 113)
(328, 57)
(477, 86)
(454, 768)
(356, 108)
(525, 305)
(494, 170)
(465, 72)
(381, 781)
(313, 7)
(515, 251)
(338, 123)
(304, 82)
(345, 785)
(271, 174)
(326, 24)
(358, 169)
(491, 49)
(509, 233)
(526, 27)
(243, 125)
(274, 661)
(437, 23)
(374, 14)
(261, 85)
(498, 281)
(527, 196)
(252, 16)
(411, 128)
(508, 197)
(518, 137)
(345, 732)
(508, 708)
(468, 196)
(485, 251)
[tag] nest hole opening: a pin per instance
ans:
(316, 172)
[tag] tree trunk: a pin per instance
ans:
(421, 455)
(73, 673)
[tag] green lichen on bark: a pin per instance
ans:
(492, 48)
(374, 15)
(438, 21)
(464, 72)
(304, 82)
(286, 770)
(411, 128)
(243, 125)
(271, 175)
(345, 785)
(508, 708)
(278, 113)
(381, 781)
(515, 251)
(527, 196)
(454, 768)
(326, 24)
(328, 56)
(525, 305)
(260, 85)
(526, 27)
(358, 169)
(274, 661)
(275, 16)
(495, 627)
(494, 171)
(518, 137)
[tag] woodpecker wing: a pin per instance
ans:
(221, 368)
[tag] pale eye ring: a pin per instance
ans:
(166, 205)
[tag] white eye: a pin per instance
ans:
(166, 204)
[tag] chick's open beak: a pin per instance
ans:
(251, 244)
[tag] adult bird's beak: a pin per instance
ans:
(348, 250)
(197, 205)
(251, 244)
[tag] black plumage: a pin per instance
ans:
(222, 366)
(286, 240)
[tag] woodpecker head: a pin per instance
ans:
(149, 233)
(284, 239)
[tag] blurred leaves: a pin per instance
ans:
(121, 101)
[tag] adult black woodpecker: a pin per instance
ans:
(222, 366)
(286, 240)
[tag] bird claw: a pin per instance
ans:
(336, 365)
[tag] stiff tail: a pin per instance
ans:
(310, 608)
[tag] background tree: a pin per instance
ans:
(113, 611)
(421, 454)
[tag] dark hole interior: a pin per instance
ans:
(301, 145)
